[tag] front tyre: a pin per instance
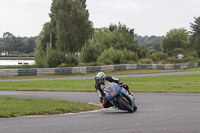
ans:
(135, 108)
(125, 105)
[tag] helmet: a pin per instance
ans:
(100, 77)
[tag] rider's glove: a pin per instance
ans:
(104, 101)
(122, 85)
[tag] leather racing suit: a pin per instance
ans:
(99, 88)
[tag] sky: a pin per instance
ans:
(146, 17)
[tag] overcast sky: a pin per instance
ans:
(147, 17)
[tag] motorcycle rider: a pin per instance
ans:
(100, 80)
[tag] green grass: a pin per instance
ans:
(14, 107)
(175, 83)
(16, 66)
(172, 84)
(50, 85)
(16, 58)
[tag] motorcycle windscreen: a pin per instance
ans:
(112, 91)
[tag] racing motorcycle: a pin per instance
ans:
(119, 97)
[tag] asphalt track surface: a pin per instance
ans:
(157, 113)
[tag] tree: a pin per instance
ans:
(54, 57)
(7, 35)
(65, 35)
(95, 46)
(1, 44)
(148, 40)
(12, 43)
(91, 52)
(29, 45)
(17, 44)
(73, 28)
(122, 37)
(157, 47)
(112, 27)
(118, 37)
(175, 38)
(195, 35)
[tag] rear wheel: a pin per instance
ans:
(125, 105)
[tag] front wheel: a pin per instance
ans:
(135, 108)
(125, 105)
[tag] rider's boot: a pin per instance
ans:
(127, 89)
(131, 94)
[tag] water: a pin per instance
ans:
(16, 62)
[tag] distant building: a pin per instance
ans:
(4, 53)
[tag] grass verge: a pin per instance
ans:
(16, 58)
(14, 107)
(174, 83)
(169, 84)
(17, 66)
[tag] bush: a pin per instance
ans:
(52, 57)
(158, 56)
(108, 62)
(177, 51)
(90, 64)
(184, 60)
(128, 57)
(39, 56)
(90, 53)
(173, 60)
(112, 56)
(55, 57)
(192, 54)
(196, 61)
(146, 61)
(71, 60)
(63, 65)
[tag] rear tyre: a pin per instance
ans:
(125, 105)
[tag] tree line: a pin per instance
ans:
(73, 41)
(69, 39)
(17, 45)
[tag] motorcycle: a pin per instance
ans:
(119, 97)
